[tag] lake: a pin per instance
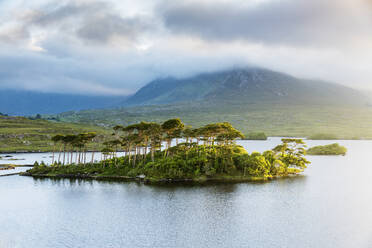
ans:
(329, 206)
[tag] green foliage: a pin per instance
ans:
(195, 162)
(172, 124)
(255, 136)
(291, 153)
(332, 149)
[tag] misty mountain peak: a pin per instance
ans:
(245, 85)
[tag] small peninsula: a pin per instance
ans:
(7, 167)
(171, 152)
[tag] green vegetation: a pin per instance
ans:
(332, 149)
(207, 153)
(255, 136)
(251, 99)
(283, 120)
(19, 134)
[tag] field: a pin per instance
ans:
(339, 122)
(19, 134)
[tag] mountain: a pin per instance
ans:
(19, 102)
(236, 86)
(251, 85)
(253, 100)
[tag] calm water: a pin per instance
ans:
(330, 206)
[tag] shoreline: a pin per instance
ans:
(31, 152)
(6, 167)
(201, 180)
(16, 165)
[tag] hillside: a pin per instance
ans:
(22, 134)
(251, 85)
(16, 102)
(253, 100)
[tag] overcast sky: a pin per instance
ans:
(115, 47)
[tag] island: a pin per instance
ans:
(332, 149)
(171, 152)
(255, 136)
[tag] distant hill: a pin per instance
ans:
(251, 85)
(253, 100)
(18, 102)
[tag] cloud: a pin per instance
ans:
(58, 12)
(13, 34)
(84, 21)
(287, 22)
(115, 47)
(49, 74)
(101, 29)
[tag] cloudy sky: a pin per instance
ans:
(115, 47)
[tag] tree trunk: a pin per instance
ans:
(145, 152)
(72, 155)
(64, 154)
(59, 154)
(76, 156)
(92, 161)
(85, 156)
(54, 148)
(152, 153)
(79, 156)
(135, 156)
(130, 153)
(68, 156)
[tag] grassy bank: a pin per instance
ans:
(280, 120)
(7, 167)
(19, 134)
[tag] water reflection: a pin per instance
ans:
(329, 206)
